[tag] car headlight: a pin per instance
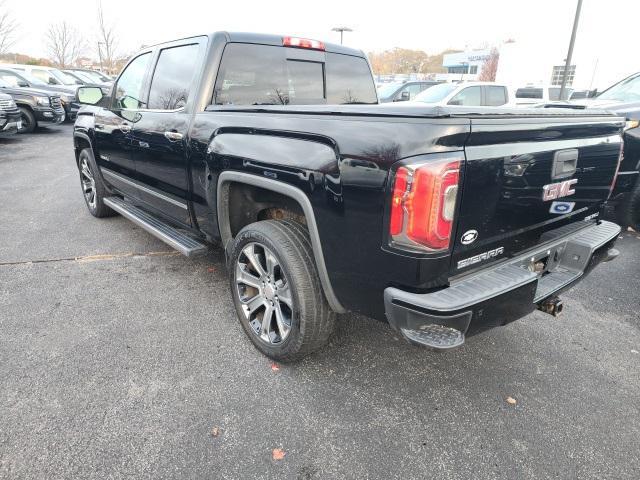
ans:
(629, 124)
(44, 101)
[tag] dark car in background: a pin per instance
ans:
(33, 106)
(9, 115)
(623, 99)
(403, 91)
(23, 79)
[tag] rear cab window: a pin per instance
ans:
(529, 93)
(253, 74)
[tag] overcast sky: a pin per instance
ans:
(607, 28)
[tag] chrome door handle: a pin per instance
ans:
(173, 136)
(125, 128)
(99, 126)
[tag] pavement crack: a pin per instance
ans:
(94, 258)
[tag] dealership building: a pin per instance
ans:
(522, 64)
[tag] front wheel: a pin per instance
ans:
(93, 189)
(28, 119)
(276, 290)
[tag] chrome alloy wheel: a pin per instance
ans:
(88, 183)
(264, 293)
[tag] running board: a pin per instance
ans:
(182, 242)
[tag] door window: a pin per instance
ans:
(45, 76)
(496, 96)
(173, 77)
(412, 90)
(470, 96)
(129, 88)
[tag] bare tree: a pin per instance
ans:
(64, 43)
(8, 27)
(107, 43)
(490, 67)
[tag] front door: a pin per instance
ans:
(113, 126)
(159, 135)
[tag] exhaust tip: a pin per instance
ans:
(552, 306)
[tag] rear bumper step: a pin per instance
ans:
(498, 295)
(185, 244)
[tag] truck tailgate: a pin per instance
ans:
(529, 177)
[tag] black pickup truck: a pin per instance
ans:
(442, 221)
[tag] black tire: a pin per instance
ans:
(628, 210)
(97, 208)
(29, 122)
(311, 321)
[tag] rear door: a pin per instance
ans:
(159, 135)
(526, 177)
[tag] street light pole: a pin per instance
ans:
(341, 30)
(570, 52)
(100, 55)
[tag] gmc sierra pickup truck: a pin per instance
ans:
(443, 221)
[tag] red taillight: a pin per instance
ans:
(615, 175)
(302, 43)
(423, 204)
(397, 201)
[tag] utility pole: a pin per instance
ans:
(341, 30)
(100, 55)
(570, 53)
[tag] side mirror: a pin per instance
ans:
(404, 96)
(90, 95)
(22, 83)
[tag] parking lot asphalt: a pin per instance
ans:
(121, 359)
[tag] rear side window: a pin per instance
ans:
(172, 77)
(496, 96)
(263, 75)
(529, 93)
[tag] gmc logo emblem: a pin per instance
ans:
(558, 190)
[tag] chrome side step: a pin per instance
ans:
(173, 237)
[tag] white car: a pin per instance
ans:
(532, 94)
(474, 94)
(48, 75)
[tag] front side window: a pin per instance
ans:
(129, 89)
(45, 76)
(496, 96)
(263, 75)
(412, 90)
(173, 77)
(470, 96)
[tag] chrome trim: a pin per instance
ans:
(296, 194)
(144, 189)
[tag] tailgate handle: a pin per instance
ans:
(565, 163)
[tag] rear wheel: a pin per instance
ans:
(28, 119)
(276, 290)
(628, 211)
(93, 189)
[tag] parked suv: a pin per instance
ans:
(402, 91)
(9, 115)
(19, 77)
(34, 106)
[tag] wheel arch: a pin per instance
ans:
(228, 178)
